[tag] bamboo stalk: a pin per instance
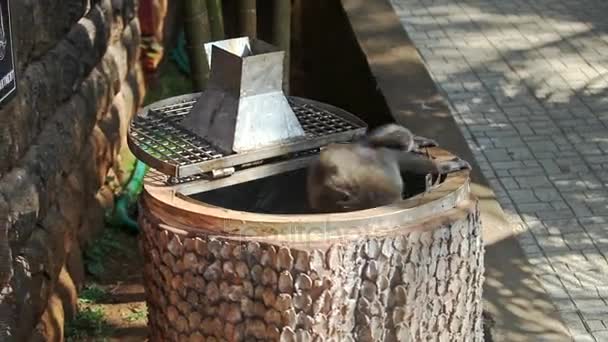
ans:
(296, 22)
(248, 18)
(216, 19)
(281, 32)
(198, 33)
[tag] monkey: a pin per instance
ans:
(368, 172)
(397, 136)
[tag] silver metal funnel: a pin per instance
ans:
(244, 107)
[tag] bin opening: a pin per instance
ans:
(284, 193)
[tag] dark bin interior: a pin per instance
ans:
(280, 194)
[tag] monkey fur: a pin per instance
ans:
(397, 137)
(368, 173)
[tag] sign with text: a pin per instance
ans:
(8, 83)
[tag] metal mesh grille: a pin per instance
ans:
(318, 122)
(159, 135)
(156, 177)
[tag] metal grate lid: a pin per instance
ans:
(242, 123)
(157, 138)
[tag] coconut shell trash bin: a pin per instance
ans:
(232, 253)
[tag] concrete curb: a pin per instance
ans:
(518, 303)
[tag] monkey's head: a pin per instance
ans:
(347, 177)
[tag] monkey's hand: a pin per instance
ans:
(453, 165)
(422, 142)
(443, 168)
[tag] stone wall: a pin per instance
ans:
(79, 82)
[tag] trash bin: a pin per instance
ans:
(232, 252)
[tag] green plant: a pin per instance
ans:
(95, 254)
(88, 322)
(92, 294)
(136, 314)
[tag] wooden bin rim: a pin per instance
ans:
(193, 216)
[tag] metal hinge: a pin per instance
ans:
(222, 173)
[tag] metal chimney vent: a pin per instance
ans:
(243, 107)
(241, 128)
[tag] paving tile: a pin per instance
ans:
(526, 78)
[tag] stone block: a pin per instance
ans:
(75, 265)
(102, 152)
(131, 39)
(92, 223)
(55, 77)
(20, 189)
(60, 307)
(8, 320)
(58, 139)
(6, 258)
(41, 24)
(71, 204)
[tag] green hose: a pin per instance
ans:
(128, 198)
(179, 54)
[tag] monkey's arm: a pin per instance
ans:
(422, 142)
(390, 136)
(415, 163)
(397, 137)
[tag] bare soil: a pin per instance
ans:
(122, 296)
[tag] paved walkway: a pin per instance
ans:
(528, 82)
